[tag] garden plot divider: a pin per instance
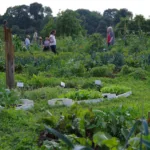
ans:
(9, 58)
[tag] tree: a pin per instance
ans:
(18, 15)
(102, 27)
(122, 13)
(36, 11)
(68, 24)
(90, 20)
(27, 19)
(48, 28)
(109, 16)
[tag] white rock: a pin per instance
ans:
(27, 104)
(68, 102)
(60, 101)
(125, 94)
(109, 95)
(98, 82)
(90, 101)
(27, 101)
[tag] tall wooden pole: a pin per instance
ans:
(9, 58)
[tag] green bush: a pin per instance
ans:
(103, 71)
(97, 42)
(115, 89)
(8, 98)
(44, 93)
(126, 70)
(118, 59)
(139, 73)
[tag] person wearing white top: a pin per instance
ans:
(27, 42)
(35, 36)
(52, 40)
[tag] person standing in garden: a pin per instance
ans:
(40, 42)
(110, 36)
(52, 40)
(35, 36)
(27, 42)
(46, 44)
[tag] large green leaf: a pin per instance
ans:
(131, 131)
(146, 143)
(145, 126)
(101, 138)
(61, 136)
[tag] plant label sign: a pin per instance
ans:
(98, 82)
(20, 84)
(62, 84)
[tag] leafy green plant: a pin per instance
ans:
(66, 140)
(44, 93)
(97, 42)
(82, 94)
(114, 122)
(139, 73)
(103, 71)
(117, 89)
(140, 140)
(17, 43)
(126, 70)
(8, 98)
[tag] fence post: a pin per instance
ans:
(9, 58)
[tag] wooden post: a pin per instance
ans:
(148, 120)
(9, 58)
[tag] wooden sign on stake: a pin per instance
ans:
(9, 57)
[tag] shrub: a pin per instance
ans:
(139, 74)
(43, 93)
(126, 70)
(96, 41)
(118, 59)
(103, 71)
(8, 98)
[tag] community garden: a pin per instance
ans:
(119, 123)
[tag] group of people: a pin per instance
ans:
(49, 42)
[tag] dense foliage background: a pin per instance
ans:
(26, 19)
(83, 57)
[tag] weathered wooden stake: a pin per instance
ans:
(9, 58)
(148, 120)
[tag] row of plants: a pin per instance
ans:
(95, 129)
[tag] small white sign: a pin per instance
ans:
(20, 84)
(98, 82)
(62, 84)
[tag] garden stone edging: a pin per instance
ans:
(27, 104)
(60, 102)
(125, 94)
(69, 102)
(112, 96)
(90, 101)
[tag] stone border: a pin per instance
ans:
(69, 102)
(27, 104)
